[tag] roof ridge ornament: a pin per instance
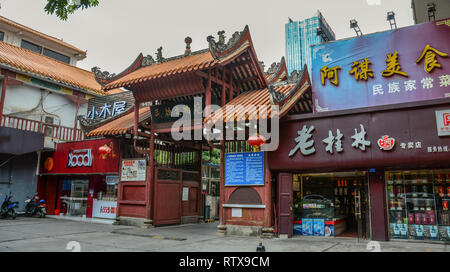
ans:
(148, 61)
(220, 46)
(102, 75)
(188, 41)
(159, 56)
(273, 68)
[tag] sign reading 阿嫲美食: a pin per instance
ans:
(404, 65)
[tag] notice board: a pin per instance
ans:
(244, 169)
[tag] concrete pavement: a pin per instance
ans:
(54, 235)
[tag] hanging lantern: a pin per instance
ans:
(256, 140)
(49, 163)
(104, 151)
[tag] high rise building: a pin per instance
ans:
(299, 38)
(430, 10)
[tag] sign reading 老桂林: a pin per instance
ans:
(133, 170)
(404, 65)
(243, 169)
(443, 122)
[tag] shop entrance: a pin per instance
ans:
(331, 204)
(74, 197)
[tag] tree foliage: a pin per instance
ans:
(215, 156)
(62, 8)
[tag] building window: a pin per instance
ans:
(418, 204)
(31, 46)
(56, 56)
(2, 36)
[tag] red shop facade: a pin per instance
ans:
(81, 179)
(374, 173)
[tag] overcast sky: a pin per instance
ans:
(116, 31)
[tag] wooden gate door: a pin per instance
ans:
(167, 205)
(285, 194)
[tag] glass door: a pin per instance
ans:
(78, 198)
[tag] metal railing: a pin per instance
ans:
(49, 130)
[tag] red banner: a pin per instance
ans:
(85, 157)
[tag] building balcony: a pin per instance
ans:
(52, 133)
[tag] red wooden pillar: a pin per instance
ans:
(378, 206)
(208, 96)
(3, 94)
(150, 174)
(231, 88)
(268, 193)
(222, 182)
(224, 94)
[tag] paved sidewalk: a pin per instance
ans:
(54, 235)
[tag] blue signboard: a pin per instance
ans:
(243, 169)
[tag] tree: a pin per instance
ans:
(215, 156)
(62, 8)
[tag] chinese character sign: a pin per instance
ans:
(404, 65)
(107, 110)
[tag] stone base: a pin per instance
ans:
(267, 233)
(191, 219)
(245, 231)
(132, 221)
(221, 230)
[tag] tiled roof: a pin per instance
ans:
(238, 54)
(40, 34)
(194, 62)
(28, 61)
(247, 105)
(122, 125)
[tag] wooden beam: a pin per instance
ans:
(213, 79)
(237, 64)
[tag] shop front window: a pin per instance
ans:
(418, 204)
(331, 205)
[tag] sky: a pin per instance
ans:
(116, 31)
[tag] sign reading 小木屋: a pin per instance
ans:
(244, 169)
(403, 65)
(133, 170)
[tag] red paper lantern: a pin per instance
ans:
(104, 150)
(256, 140)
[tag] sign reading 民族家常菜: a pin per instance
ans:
(244, 169)
(404, 65)
(134, 170)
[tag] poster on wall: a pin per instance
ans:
(319, 227)
(134, 170)
(244, 169)
(307, 227)
(185, 194)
